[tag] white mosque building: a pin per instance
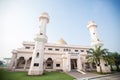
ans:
(39, 56)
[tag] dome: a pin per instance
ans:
(61, 41)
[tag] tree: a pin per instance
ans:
(97, 54)
(1, 63)
(117, 60)
(111, 59)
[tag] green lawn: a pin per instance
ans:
(7, 75)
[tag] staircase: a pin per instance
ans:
(75, 74)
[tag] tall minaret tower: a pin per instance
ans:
(95, 41)
(36, 67)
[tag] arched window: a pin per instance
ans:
(37, 54)
(49, 63)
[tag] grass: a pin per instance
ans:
(7, 75)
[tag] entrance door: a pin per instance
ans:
(73, 64)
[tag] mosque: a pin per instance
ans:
(39, 56)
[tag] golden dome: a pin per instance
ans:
(61, 41)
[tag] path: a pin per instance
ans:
(77, 75)
(93, 76)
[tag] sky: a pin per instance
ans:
(68, 20)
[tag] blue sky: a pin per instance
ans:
(68, 20)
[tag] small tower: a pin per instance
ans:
(94, 35)
(36, 67)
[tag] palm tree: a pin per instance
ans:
(97, 54)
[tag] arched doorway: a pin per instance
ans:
(20, 62)
(49, 63)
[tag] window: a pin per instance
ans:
(37, 54)
(48, 64)
(27, 47)
(67, 49)
(76, 50)
(41, 33)
(98, 64)
(105, 64)
(57, 65)
(93, 33)
(56, 49)
(82, 50)
(36, 64)
(49, 48)
(87, 51)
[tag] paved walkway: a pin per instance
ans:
(93, 76)
(115, 76)
(77, 75)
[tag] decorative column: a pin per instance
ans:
(79, 63)
(64, 56)
(36, 67)
(68, 62)
(12, 62)
(15, 64)
(25, 65)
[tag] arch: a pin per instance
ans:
(49, 59)
(21, 58)
(49, 63)
(20, 62)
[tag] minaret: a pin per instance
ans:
(36, 67)
(95, 41)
